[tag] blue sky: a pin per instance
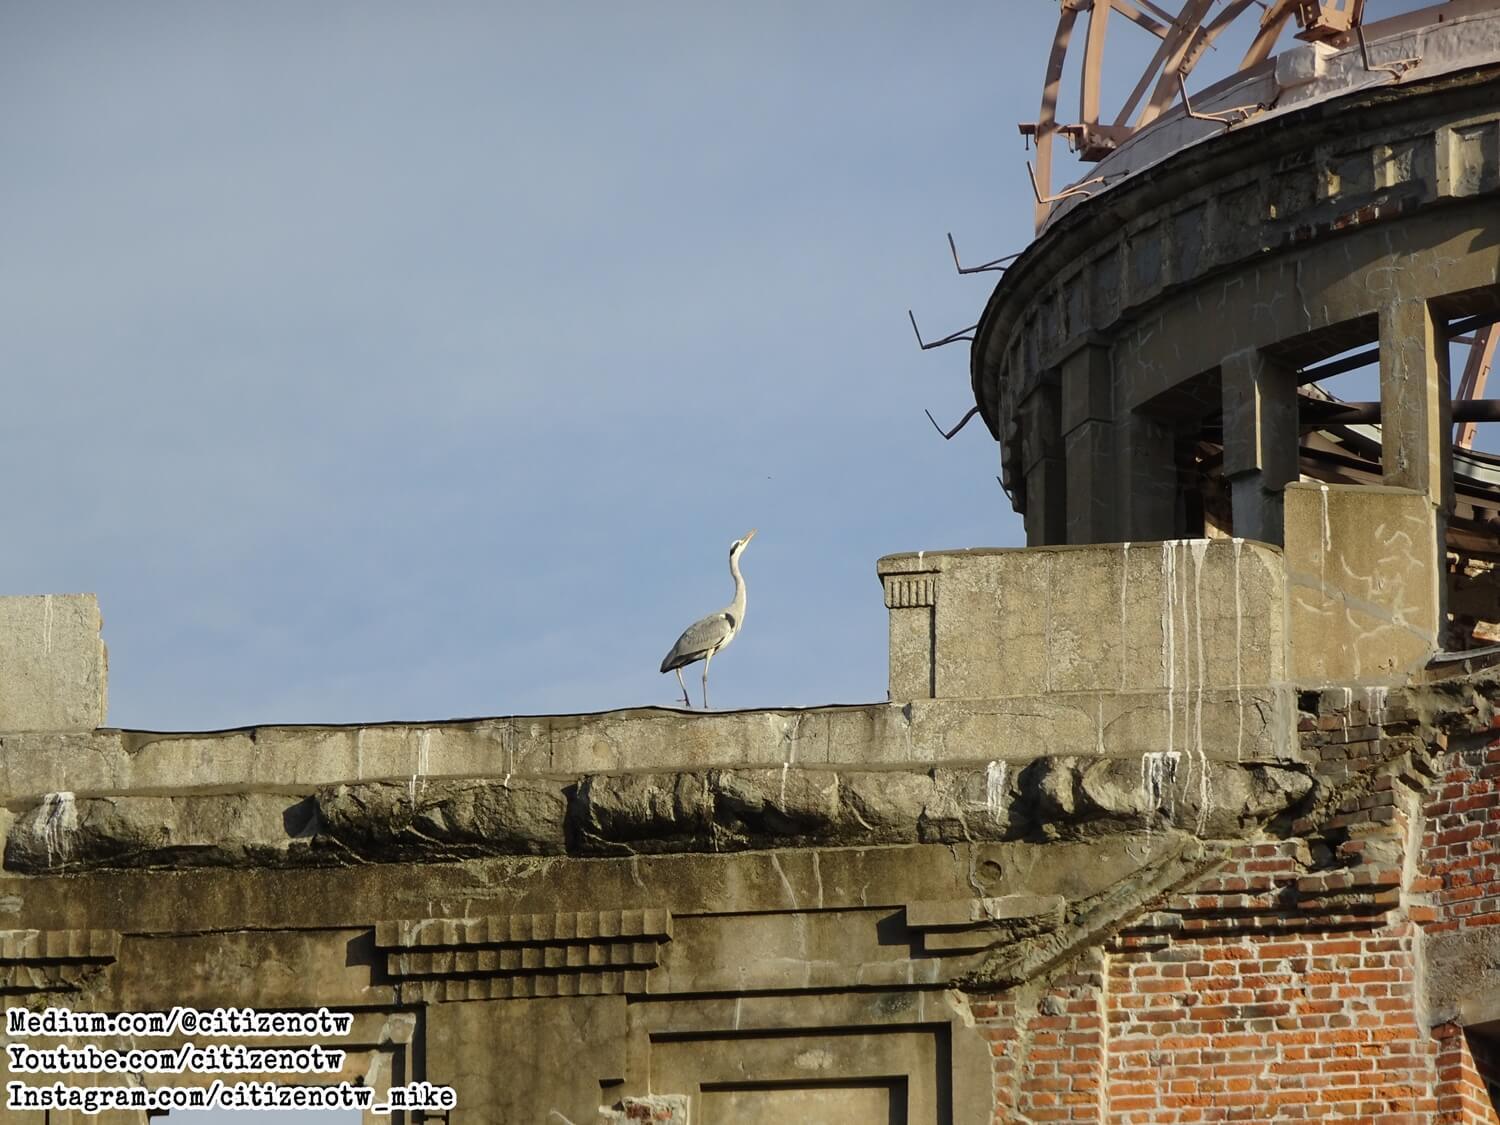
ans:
(395, 361)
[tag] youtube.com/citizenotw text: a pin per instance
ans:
(219, 1058)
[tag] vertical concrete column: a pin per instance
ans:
(911, 597)
(54, 671)
(1416, 412)
(1146, 484)
(1088, 443)
(1260, 440)
(1043, 466)
(1416, 416)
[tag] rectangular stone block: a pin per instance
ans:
(1363, 582)
(52, 663)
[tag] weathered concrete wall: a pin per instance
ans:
(617, 899)
(922, 734)
(896, 910)
(1124, 649)
(1055, 944)
(1177, 616)
(800, 968)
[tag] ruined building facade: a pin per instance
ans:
(1187, 812)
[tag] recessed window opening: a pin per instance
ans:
(1338, 400)
(1473, 539)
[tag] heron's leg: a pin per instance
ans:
(685, 700)
(706, 659)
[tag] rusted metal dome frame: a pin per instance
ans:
(1184, 38)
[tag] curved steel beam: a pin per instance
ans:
(1183, 40)
(1046, 123)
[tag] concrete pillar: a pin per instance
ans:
(1088, 440)
(1260, 440)
(53, 667)
(911, 597)
(1416, 412)
(1044, 466)
(1416, 416)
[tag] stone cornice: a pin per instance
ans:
(587, 953)
(1059, 797)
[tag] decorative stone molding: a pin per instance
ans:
(910, 591)
(586, 953)
(911, 596)
(973, 925)
(53, 960)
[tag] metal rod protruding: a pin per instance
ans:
(948, 434)
(997, 266)
(961, 334)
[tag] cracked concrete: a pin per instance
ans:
(638, 814)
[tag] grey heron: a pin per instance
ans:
(703, 638)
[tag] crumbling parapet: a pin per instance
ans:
(1054, 797)
(1184, 617)
(1131, 649)
(819, 962)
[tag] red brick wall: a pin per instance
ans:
(1050, 1048)
(1285, 985)
(1260, 1027)
(1464, 1063)
(1214, 1012)
(1461, 840)
(1460, 865)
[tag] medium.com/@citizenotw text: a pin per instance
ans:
(138, 1066)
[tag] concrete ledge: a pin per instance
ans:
(52, 663)
(1250, 724)
(652, 814)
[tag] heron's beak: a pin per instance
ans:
(750, 536)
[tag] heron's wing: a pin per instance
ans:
(699, 639)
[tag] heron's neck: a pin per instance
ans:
(737, 607)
